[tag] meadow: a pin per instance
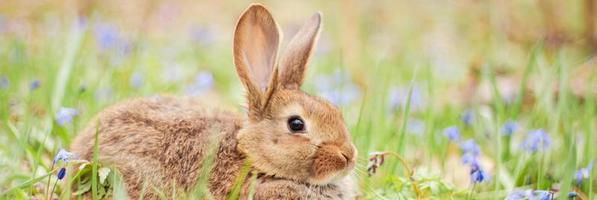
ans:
(444, 99)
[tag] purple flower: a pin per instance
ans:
(415, 126)
(478, 175)
(4, 83)
(467, 117)
(337, 88)
(398, 96)
(536, 140)
(34, 84)
(61, 173)
(63, 156)
(109, 40)
(518, 195)
(530, 195)
(65, 115)
(542, 195)
(470, 152)
(136, 80)
(452, 133)
(509, 128)
(201, 35)
(583, 173)
(106, 36)
(203, 82)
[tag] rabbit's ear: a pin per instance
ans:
(256, 41)
(294, 60)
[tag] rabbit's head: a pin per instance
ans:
(289, 133)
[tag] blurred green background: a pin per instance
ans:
(482, 99)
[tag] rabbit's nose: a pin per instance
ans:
(348, 151)
(346, 157)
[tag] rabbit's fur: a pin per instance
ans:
(160, 143)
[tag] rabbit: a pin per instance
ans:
(297, 145)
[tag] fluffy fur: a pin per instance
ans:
(160, 143)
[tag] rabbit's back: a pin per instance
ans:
(156, 141)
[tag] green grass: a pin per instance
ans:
(75, 72)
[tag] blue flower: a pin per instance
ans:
(65, 115)
(61, 173)
(337, 88)
(478, 175)
(4, 83)
(63, 156)
(34, 84)
(110, 41)
(536, 140)
(202, 35)
(136, 80)
(529, 194)
(470, 152)
(469, 146)
(542, 195)
(509, 128)
(583, 173)
(452, 133)
(398, 96)
(467, 117)
(415, 126)
(518, 195)
(106, 36)
(203, 82)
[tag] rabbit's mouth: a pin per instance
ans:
(332, 162)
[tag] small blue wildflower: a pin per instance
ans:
(583, 173)
(398, 97)
(536, 140)
(110, 41)
(63, 156)
(478, 175)
(61, 173)
(4, 83)
(106, 35)
(518, 195)
(467, 117)
(469, 146)
(542, 195)
(342, 96)
(509, 128)
(470, 152)
(468, 158)
(452, 133)
(415, 126)
(337, 88)
(136, 80)
(201, 35)
(530, 195)
(65, 115)
(203, 82)
(34, 84)
(81, 22)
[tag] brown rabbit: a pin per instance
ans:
(296, 143)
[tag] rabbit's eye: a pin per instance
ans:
(296, 124)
